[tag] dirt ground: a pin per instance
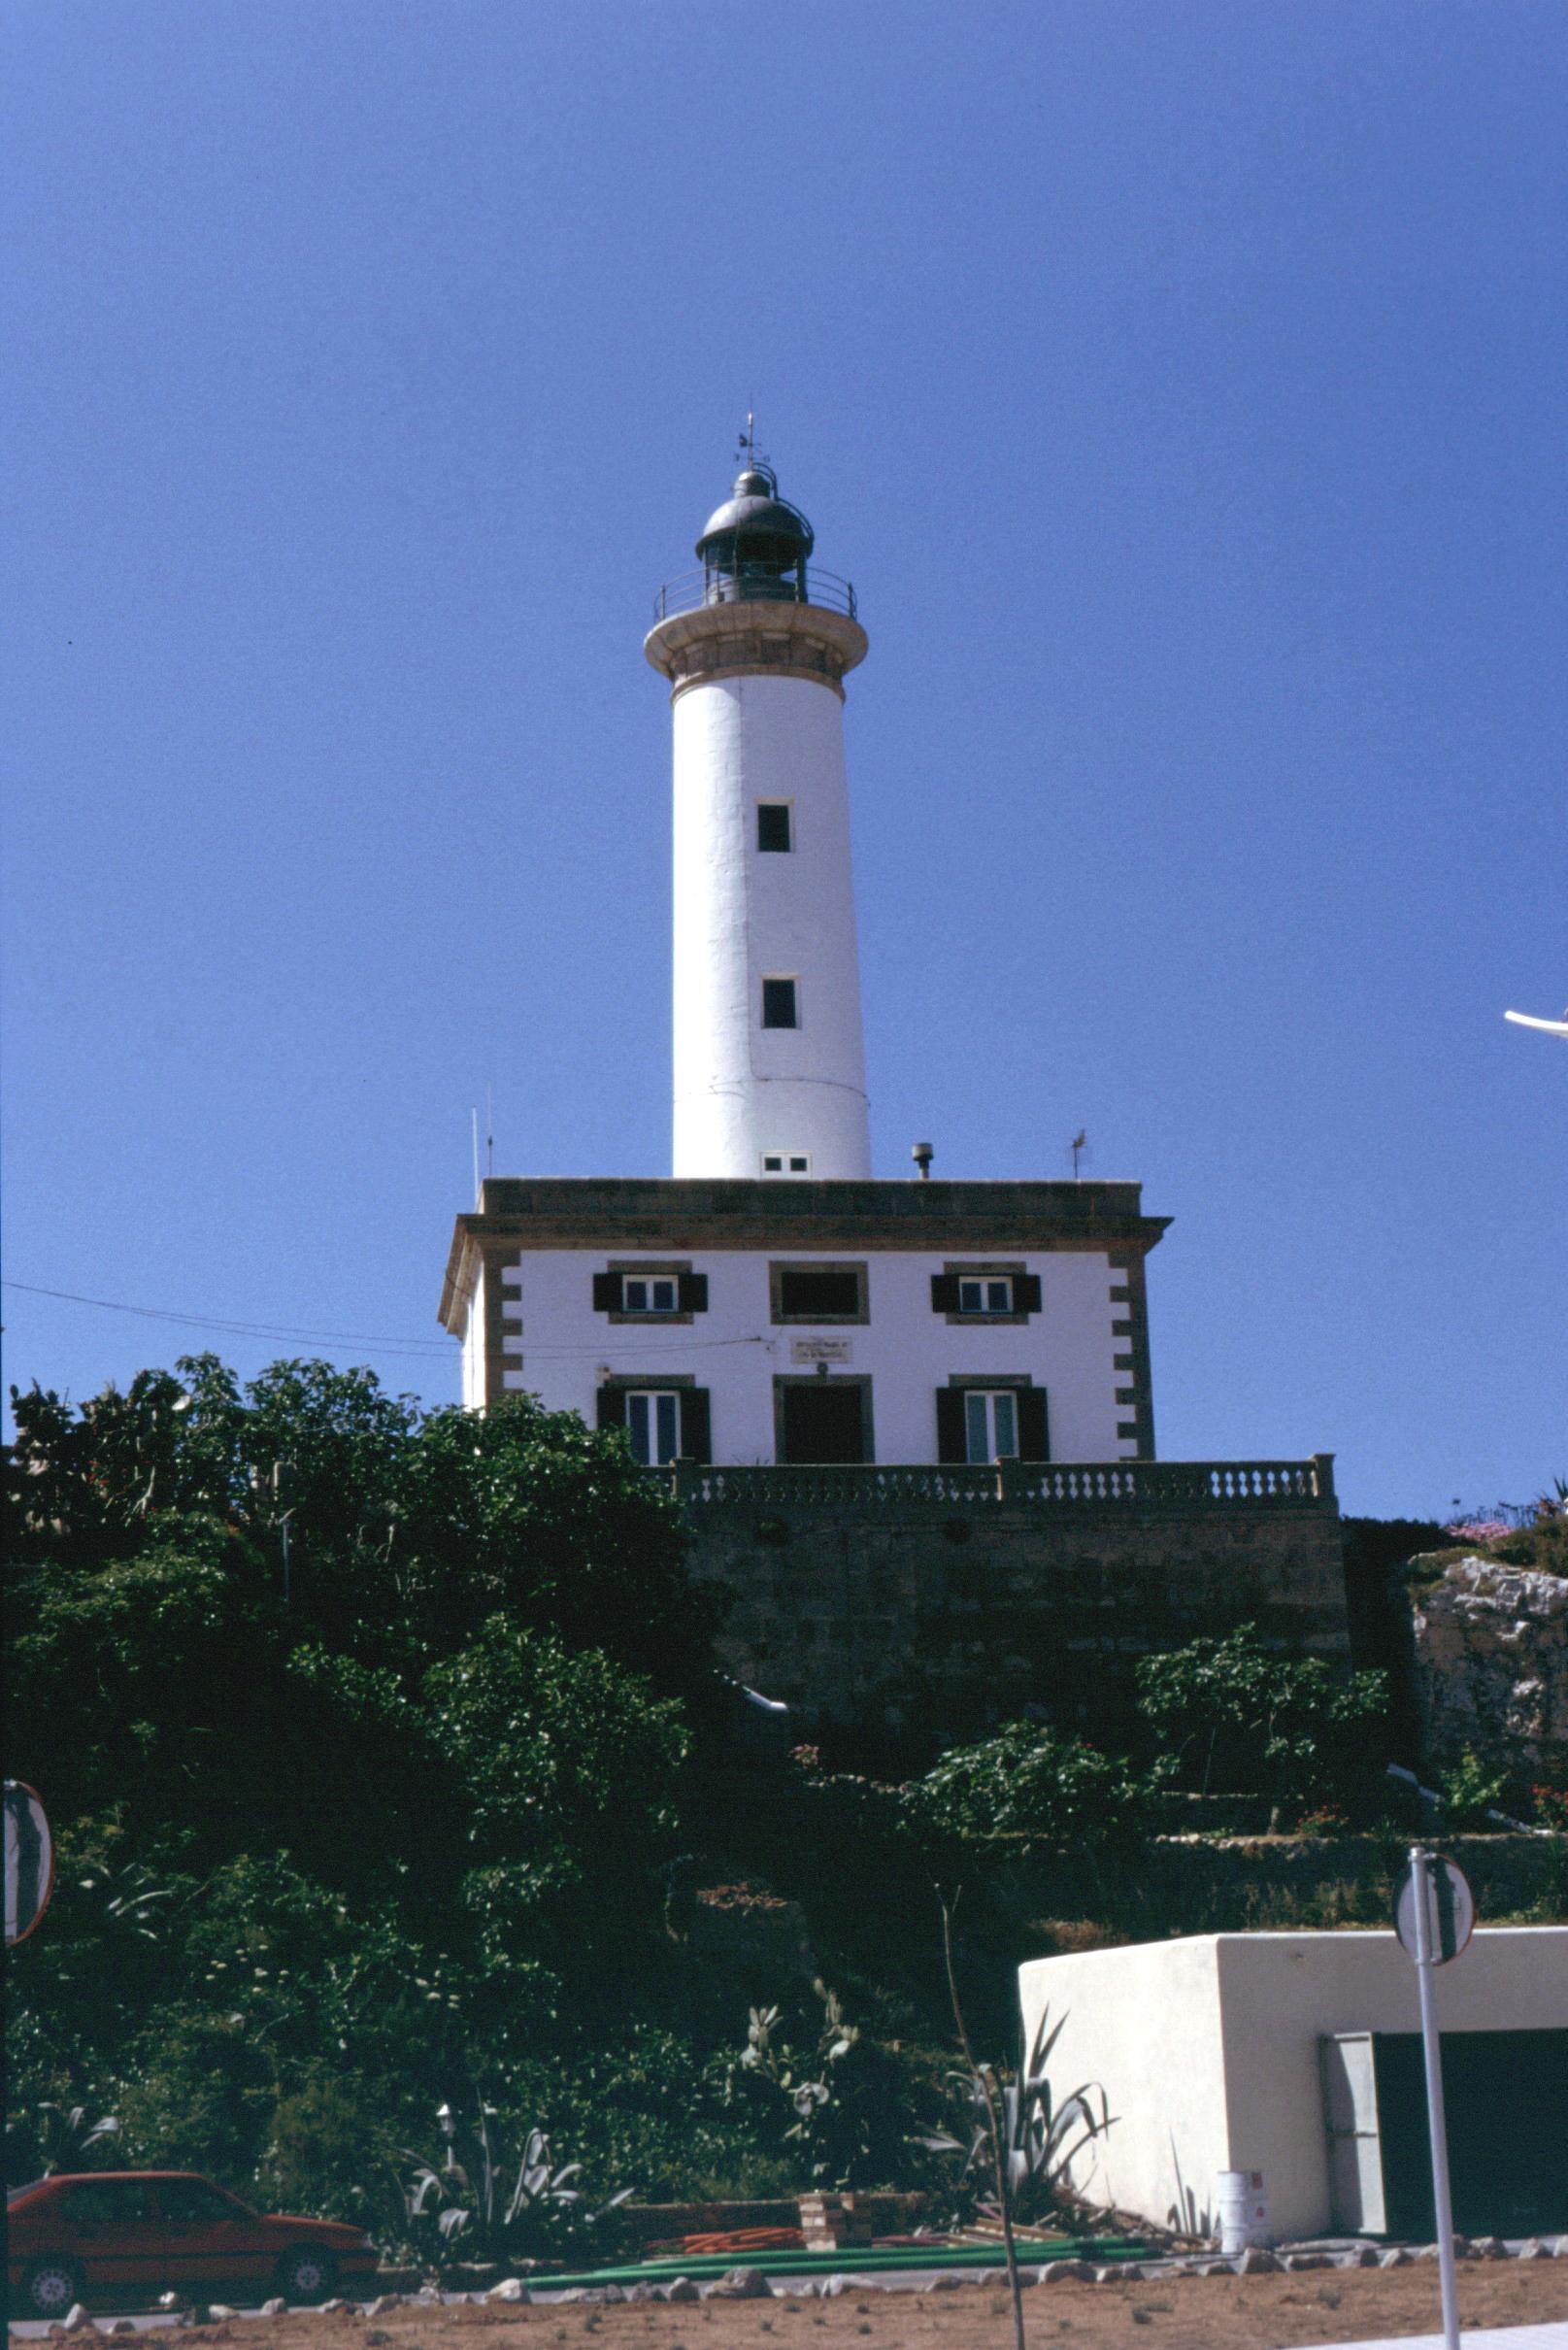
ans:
(1178, 2313)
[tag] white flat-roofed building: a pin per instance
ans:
(748, 1322)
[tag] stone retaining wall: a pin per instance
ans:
(911, 1616)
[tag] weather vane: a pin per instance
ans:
(749, 449)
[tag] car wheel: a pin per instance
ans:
(307, 2275)
(53, 2288)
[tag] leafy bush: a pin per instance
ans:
(1470, 1793)
(844, 2102)
(1028, 1781)
(1231, 1714)
(1532, 1534)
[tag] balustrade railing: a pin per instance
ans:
(812, 585)
(1090, 1485)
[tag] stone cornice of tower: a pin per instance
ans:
(759, 638)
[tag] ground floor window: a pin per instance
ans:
(653, 1423)
(980, 1421)
(662, 1423)
(990, 1424)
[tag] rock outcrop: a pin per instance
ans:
(1492, 1666)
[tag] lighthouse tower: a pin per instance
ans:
(769, 1052)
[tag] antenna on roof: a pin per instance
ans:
(490, 1130)
(1078, 1144)
(755, 460)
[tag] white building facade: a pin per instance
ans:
(753, 1323)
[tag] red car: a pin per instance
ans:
(136, 2234)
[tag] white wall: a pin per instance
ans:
(1206, 2048)
(473, 1347)
(740, 1089)
(735, 1350)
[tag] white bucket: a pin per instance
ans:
(1242, 2208)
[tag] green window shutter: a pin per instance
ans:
(945, 1297)
(1034, 1426)
(951, 1444)
(696, 1425)
(611, 1405)
(693, 1294)
(606, 1293)
(1026, 1296)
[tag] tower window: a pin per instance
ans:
(780, 1009)
(775, 826)
(786, 1162)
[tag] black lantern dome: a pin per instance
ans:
(756, 544)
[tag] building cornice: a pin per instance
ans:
(720, 1214)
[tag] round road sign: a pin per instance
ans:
(1450, 1909)
(29, 1862)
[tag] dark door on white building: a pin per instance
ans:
(823, 1419)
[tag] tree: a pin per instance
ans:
(1231, 1714)
(397, 1533)
(559, 1754)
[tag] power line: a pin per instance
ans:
(425, 1348)
(240, 1330)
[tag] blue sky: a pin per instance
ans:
(1183, 386)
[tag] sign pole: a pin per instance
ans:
(1432, 2058)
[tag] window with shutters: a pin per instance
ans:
(999, 1418)
(985, 1292)
(990, 1424)
(775, 826)
(781, 1008)
(665, 1420)
(650, 1292)
(653, 1423)
(647, 1294)
(818, 1293)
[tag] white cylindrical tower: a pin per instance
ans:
(769, 1052)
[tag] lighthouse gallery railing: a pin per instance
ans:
(694, 588)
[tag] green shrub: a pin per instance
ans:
(1231, 1714)
(1027, 1781)
(1470, 1793)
